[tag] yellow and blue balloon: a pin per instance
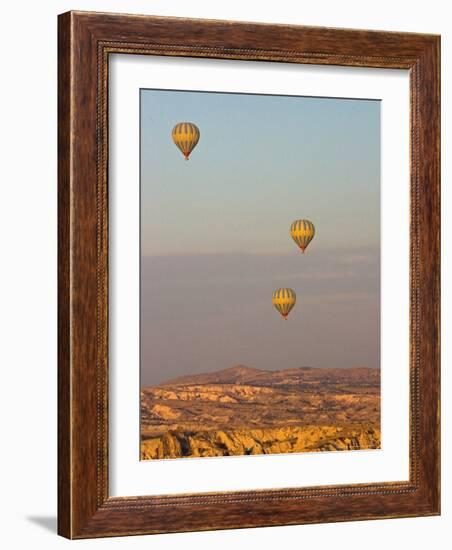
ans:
(185, 136)
(283, 301)
(302, 232)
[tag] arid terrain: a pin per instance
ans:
(243, 410)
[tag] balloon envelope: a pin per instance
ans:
(302, 232)
(284, 300)
(185, 136)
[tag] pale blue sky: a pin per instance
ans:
(261, 162)
(215, 240)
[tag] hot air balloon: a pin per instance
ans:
(283, 301)
(186, 136)
(302, 232)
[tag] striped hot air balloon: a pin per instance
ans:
(283, 301)
(186, 136)
(302, 232)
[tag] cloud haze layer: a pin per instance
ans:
(208, 312)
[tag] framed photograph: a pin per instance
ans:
(248, 275)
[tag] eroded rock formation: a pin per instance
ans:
(242, 411)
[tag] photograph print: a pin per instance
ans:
(260, 274)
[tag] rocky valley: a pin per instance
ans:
(243, 410)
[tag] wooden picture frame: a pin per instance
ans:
(86, 40)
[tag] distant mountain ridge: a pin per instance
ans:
(231, 375)
(242, 374)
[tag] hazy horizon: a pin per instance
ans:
(231, 368)
(215, 233)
